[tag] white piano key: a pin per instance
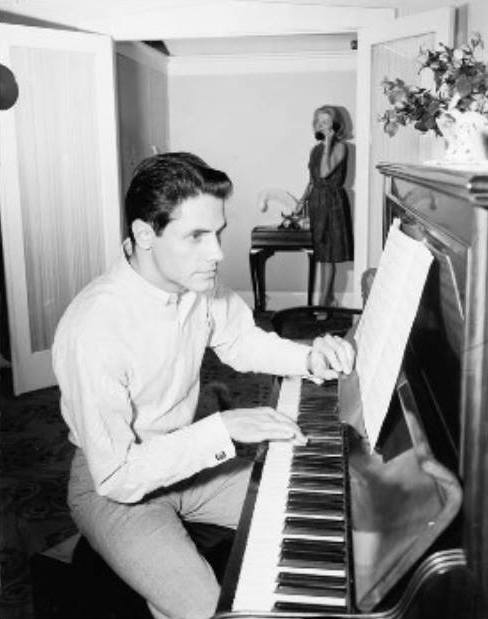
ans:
(298, 488)
(257, 581)
(318, 537)
(309, 599)
(313, 571)
(299, 514)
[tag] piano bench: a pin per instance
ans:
(87, 588)
(309, 321)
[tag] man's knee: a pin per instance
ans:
(202, 606)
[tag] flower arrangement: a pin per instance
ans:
(460, 85)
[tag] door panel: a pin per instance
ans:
(389, 50)
(59, 199)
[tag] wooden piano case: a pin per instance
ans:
(419, 502)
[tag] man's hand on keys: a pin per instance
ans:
(330, 356)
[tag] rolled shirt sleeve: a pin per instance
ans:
(96, 403)
(247, 348)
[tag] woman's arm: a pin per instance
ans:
(334, 153)
(300, 207)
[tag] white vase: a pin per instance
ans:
(466, 136)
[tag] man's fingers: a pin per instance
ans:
(345, 353)
(253, 425)
(284, 421)
(338, 353)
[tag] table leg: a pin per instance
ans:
(253, 267)
(257, 258)
(311, 276)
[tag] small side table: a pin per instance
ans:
(265, 241)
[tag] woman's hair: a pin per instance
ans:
(338, 123)
(162, 182)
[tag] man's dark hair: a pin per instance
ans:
(162, 182)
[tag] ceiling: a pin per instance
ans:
(216, 27)
(221, 46)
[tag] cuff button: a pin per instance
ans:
(221, 455)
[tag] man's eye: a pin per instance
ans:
(196, 236)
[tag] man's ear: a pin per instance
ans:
(143, 234)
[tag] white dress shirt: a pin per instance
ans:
(127, 356)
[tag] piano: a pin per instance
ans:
(333, 530)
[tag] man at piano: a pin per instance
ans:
(127, 355)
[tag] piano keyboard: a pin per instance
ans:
(296, 556)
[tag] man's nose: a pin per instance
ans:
(215, 250)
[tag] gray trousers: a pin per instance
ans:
(146, 543)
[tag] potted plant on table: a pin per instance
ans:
(455, 107)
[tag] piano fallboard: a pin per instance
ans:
(408, 589)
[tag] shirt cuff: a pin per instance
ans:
(306, 372)
(214, 442)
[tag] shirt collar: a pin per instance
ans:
(138, 285)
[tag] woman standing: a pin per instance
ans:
(325, 200)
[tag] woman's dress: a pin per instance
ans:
(329, 211)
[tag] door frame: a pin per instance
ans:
(33, 370)
(441, 22)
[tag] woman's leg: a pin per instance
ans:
(325, 276)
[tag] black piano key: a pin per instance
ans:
(328, 409)
(321, 552)
(314, 547)
(334, 440)
(329, 412)
(311, 467)
(315, 483)
(320, 501)
(322, 443)
(319, 534)
(313, 438)
(331, 455)
(319, 399)
(324, 491)
(318, 581)
(317, 442)
(327, 422)
(297, 607)
(331, 564)
(313, 509)
(326, 461)
(317, 477)
(311, 592)
(316, 421)
(313, 526)
(310, 510)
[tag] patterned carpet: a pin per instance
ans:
(34, 463)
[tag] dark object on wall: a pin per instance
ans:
(9, 91)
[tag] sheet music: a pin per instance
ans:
(386, 322)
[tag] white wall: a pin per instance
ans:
(252, 117)
(142, 105)
(472, 16)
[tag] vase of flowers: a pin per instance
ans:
(455, 107)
